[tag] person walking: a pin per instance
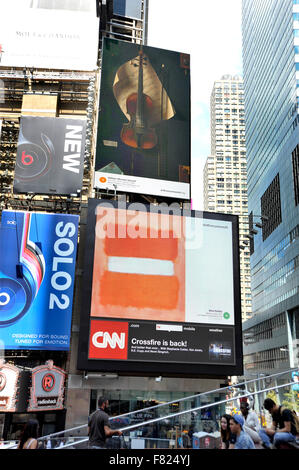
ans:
(283, 427)
(98, 426)
(243, 440)
(29, 435)
(251, 422)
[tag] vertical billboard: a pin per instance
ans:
(52, 34)
(37, 269)
(162, 291)
(50, 155)
(143, 140)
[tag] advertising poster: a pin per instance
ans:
(52, 34)
(163, 287)
(50, 155)
(37, 269)
(143, 140)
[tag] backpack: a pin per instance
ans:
(295, 417)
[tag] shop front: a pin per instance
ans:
(36, 393)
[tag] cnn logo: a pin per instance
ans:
(102, 339)
(108, 339)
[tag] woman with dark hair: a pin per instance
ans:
(227, 438)
(29, 435)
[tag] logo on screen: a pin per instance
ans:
(108, 340)
(27, 159)
(48, 382)
(102, 339)
(33, 160)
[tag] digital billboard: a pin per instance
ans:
(37, 270)
(143, 139)
(50, 155)
(52, 34)
(162, 291)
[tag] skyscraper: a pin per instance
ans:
(271, 64)
(225, 180)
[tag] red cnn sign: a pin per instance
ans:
(108, 340)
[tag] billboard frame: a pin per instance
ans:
(130, 181)
(35, 264)
(54, 148)
(167, 369)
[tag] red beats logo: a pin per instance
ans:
(27, 159)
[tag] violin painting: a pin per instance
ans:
(143, 100)
(136, 133)
(144, 119)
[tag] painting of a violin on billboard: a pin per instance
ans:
(143, 139)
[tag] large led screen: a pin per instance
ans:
(162, 290)
(50, 155)
(143, 140)
(37, 269)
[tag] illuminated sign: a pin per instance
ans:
(9, 377)
(47, 390)
(37, 269)
(163, 288)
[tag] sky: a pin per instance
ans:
(211, 33)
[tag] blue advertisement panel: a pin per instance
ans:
(37, 270)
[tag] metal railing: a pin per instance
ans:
(198, 396)
(158, 413)
(82, 442)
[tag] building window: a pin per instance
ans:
(271, 207)
(295, 160)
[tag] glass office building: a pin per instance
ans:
(271, 83)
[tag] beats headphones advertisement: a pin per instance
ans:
(37, 268)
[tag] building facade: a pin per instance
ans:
(225, 176)
(270, 62)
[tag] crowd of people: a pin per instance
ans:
(243, 431)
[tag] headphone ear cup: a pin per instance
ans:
(19, 271)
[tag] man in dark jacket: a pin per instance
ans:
(98, 426)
